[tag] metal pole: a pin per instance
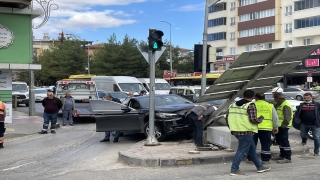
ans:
(204, 47)
(88, 60)
(151, 140)
(170, 55)
(32, 101)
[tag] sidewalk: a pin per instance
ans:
(176, 154)
(23, 125)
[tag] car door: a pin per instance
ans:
(112, 116)
(289, 92)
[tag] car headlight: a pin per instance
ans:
(167, 115)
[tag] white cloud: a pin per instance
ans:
(74, 16)
(189, 7)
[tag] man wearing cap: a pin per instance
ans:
(285, 114)
(308, 115)
(108, 97)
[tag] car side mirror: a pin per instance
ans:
(125, 108)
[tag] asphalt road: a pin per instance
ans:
(76, 153)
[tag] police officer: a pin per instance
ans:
(3, 114)
(265, 128)
(285, 114)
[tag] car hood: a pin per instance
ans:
(173, 108)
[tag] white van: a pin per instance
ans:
(118, 83)
(21, 89)
(161, 85)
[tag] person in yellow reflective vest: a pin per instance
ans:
(3, 114)
(285, 114)
(243, 123)
(266, 127)
(315, 87)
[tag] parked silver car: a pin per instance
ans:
(297, 93)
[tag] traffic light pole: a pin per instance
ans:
(152, 140)
(204, 46)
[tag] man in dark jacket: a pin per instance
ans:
(196, 116)
(51, 105)
(307, 114)
(108, 97)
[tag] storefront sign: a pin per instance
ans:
(6, 37)
(227, 59)
(5, 79)
(312, 62)
(317, 52)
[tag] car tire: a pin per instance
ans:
(299, 98)
(158, 131)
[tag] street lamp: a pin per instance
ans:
(170, 50)
(88, 59)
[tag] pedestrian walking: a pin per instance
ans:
(108, 97)
(307, 115)
(51, 105)
(243, 123)
(68, 104)
(196, 116)
(268, 126)
(3, 114)
(285, 114)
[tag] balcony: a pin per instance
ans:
(306, 32)
(20, 4)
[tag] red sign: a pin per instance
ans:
(316, 52)
(312, 62)
(227, 59)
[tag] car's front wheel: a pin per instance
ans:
(158, 133)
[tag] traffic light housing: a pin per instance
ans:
(155, 40)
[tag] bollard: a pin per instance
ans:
(14, 102)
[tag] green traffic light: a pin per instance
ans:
(155, 45)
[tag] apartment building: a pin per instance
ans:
(248, 25)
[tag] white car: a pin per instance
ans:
(40, 94)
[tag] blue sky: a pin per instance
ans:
(98, 19)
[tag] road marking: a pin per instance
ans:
(16, 167)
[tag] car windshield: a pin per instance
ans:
(161, 86)
(131, 87)
(269, 96)
(19, 87)
(77, 86)
(40, 91)
(163, 100)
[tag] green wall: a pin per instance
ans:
(20, 50)
(6, 95)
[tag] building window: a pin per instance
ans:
(287, 43)
(248, 2)
(217, 22)
(220, 53)
(232, 51)
(232, 21)
(233, 6)
(257, 15)
(248, 48)
(306, 4)
(218, 7)
(288, 28)
(307, 22)
(307, 41)
(268, 46)
(257, 31)
(288, 10)
(232, 36)
(217, 36)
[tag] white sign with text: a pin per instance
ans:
(6, 37)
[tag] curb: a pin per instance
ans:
(132, 160)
